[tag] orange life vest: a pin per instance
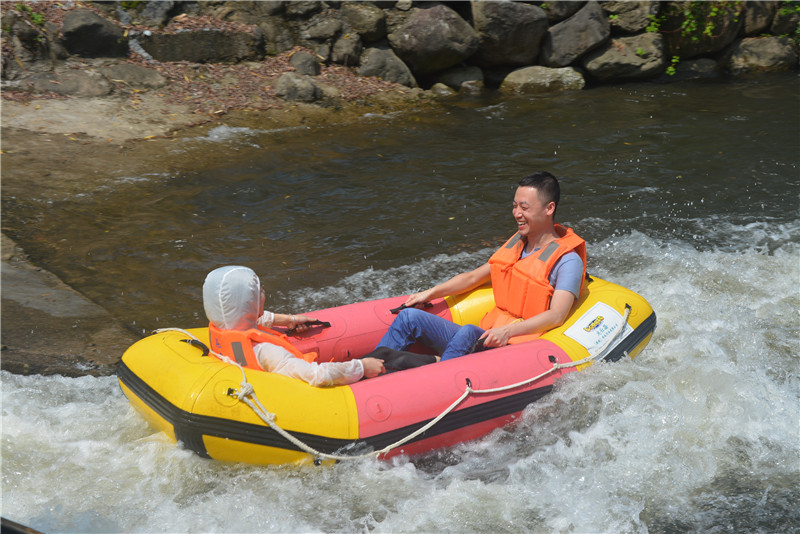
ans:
(238, 344)
(522, 287)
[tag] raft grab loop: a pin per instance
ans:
(323, 324)
(395, 311)
(196, 343)
(247, 395)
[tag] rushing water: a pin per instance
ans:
(687, 194)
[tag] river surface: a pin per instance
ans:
(686, 193)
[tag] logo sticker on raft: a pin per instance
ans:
(596, 326)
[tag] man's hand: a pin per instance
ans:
(418, 298)
(496, 337)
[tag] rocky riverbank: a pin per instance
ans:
(216, 56)
(90, 88)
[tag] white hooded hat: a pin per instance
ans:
(232, 297)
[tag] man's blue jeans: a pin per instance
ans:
(445, 337)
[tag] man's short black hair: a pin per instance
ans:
(545, 184)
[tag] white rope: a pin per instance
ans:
(248, 396)
(246, 391)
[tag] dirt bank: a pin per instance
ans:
(46, 141)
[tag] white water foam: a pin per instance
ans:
(237, 135)
(699, 433)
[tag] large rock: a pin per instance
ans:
(302, 8)
(786, 21)
(134, 76)
(711, 27)
(692, 69)
(538, 80)
(758, 16)
(383, 63)
(28, 44)
(278, 35)
(157, 13)
(87, 34)
(432, 39)
(296, 87)
(558, 10)
(306, 63)
(322, 27)
(640, 56)
(366, 19)
(73, 83)
(762, 54)
(630, 17)
(347, 50)
(510, 33)
(570, 39)
(204, 46)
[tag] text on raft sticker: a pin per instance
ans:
(596, 326)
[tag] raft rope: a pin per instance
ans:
(247, 395)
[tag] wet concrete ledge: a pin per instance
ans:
(49, 328)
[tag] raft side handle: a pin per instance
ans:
(323, 324)
(478, 346)
(198, 344)
(395, 311)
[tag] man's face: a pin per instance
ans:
(531, 214)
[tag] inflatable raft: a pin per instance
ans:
(230, 413)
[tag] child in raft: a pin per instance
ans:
(234, 304)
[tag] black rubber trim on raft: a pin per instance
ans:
(638, 335)
(190, 428)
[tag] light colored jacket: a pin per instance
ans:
(232, 297)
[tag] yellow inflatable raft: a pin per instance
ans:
(224, 412)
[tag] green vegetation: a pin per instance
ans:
(697, 18)
(788, 7)
(36, 18)
(693, 20)
(671, 69)
(128, 6)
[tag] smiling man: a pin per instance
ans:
(536, 278)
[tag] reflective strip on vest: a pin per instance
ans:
(547, 252)
(238, 353)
